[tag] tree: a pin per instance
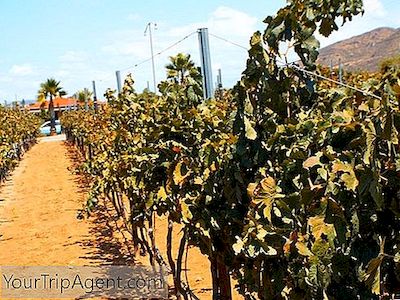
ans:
(181, 68)
(184, 79)
(390, 63)
(49, 89)
(84, 96)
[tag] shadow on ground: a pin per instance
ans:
(107, 243)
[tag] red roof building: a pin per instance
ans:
(60, 104)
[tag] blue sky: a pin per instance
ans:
(77, 41)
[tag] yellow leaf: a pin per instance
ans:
(397, 258)
(198, 181)
(341, 166)
(349, 177)
(270, 251)
(369, 143)
(303, 249)
(311, 162)
(206, 173)
(268, 209)
(277, 212)
(136, 138)
(41, 98)
(350, 180)
(286, 247)
(178, 177)
(255, 39)
(251, 134)
(319, 227)
(250, 189)
(213, 168)
(347, 115)
(372, 275)
(186, 213)
(363, 107)
(238, 246)
(162, 194)
(268, 185)
(396, 89)
(261, 233)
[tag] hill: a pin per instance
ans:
(363, 52)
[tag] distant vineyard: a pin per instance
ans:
(287, 184)
(18, 131)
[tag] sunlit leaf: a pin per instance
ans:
(162, 194)
(350, 180)
(319, 228)
(372, 275)
(251, 134)
(179, 178)
(238, 246)
(186, 213)
(303, 249)
(311, 162)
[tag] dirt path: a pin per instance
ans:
(38, 211)
(38, 224)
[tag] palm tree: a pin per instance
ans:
(184, 79)
(49, 89)
(181, 68)
(84, 96)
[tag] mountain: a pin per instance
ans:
(363, 52)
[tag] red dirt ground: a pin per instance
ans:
(38, 224)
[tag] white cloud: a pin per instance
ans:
(224, 20)
(21, 70)
(230, 24)
(123, 48)
(237, 23)
(19, 87)
(5, 78)
(374, 8)
(128, 47)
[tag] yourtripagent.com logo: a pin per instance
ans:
(83, 282)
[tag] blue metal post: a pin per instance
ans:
(205, 58)
(94, 96)
(118, 74)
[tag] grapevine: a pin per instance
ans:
(288, 184)
(18, 132)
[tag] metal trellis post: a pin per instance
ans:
(205, 58)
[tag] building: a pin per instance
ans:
(60, 105)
